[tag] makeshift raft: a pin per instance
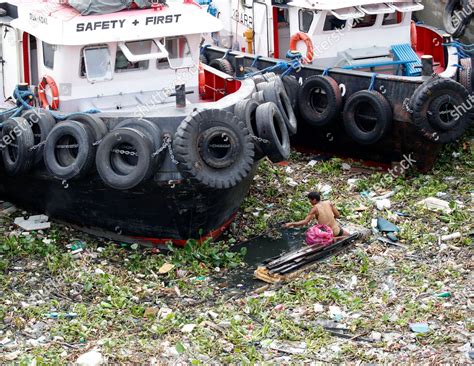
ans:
(290, 265)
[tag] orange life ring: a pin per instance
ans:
(413, 35)
(202, 80)
(45, 82)
(300, 36)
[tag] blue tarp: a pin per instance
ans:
(88, 7)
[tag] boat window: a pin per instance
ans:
(365, 22)
(392, 19)
(332, 23)
(305, 19)
(122, 64)
(179, 53)
(96, 64)
(48, 55)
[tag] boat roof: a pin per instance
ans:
(60, 24)
(341, 4)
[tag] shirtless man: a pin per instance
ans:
(324, 212)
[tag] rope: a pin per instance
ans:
(459, 66)
(203, 48)
(226, 54)
(372, 81)
(326, 71)
(256, 58)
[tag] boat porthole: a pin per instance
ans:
(343, 89)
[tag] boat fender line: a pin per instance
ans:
(214, 148)
(441, 110)
(152, 132)
(367, 117)
(41, 122)
(136, 146)
(222, 64)
(271, 127)
(275, 92)
(68, 152)
(413, 35)
(18, 156)
(300, 36)
(466, 75)
(452, 12)
(246, 110)
(48, 81)
(320, 100)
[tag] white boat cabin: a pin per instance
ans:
(341, 31)
(109, 61)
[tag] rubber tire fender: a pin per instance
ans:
(466, 75)
(203, 58)
(292, 88)
(272, 128)
(448, 16)
(318, 115)
(41, 122)
(24, 159)
(95, 123)
(383, 116)
(105, 167)
(275, 93)
(152, 132)
(223, 65)
(192, 140)
(63, 164)
(425, 104)
(258, 96)
(257, 79)
(246, 110)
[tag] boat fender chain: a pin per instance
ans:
(259, 139)
(167, 144)
(406, 105)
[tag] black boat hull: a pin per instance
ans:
(153, 213)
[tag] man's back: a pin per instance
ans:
(326, 216)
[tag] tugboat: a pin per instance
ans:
(111, 125)
(365, 80)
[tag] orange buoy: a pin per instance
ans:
(45, 82)
(202, 80)
(300, 36)
(413, 35)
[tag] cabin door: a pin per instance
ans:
(261, 29)
(281, 31)
(11, 61)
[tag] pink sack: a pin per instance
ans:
(319, 235)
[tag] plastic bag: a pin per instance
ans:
(88, 7)
(319, 235)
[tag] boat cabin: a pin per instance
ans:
(372, 35)
(109, 61)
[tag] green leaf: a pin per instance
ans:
(180, 348)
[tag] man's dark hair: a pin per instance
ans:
(314, 196)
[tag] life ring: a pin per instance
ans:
(368, 117)
(300, 36)
(214, 148)
(440, 113)
(45, 82)
(413, 35)
(202, 79)
(320, 100)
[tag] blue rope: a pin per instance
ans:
(326, 71)
(226, 53)
(203, 48)
(257, 57)
(372, 82)
(293, 65)
(459, 66)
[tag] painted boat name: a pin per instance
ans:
(120, 23)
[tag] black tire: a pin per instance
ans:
(319, 100)
(41, 122)
(203, 59)
(292, 88)
(95, 123)
(441, 111)
(152, 132)
(223, 65)
(269, 76)
(454, 19)
(275, 93)
(222, 166)
(117, 140)
(258, 97)
(261, 86)
(246, 110)
(466, 76)
(272, 128)
(368, 117)
(257, 79)
(69, 162)
(17, 142)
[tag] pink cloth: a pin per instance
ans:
(319, 235)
